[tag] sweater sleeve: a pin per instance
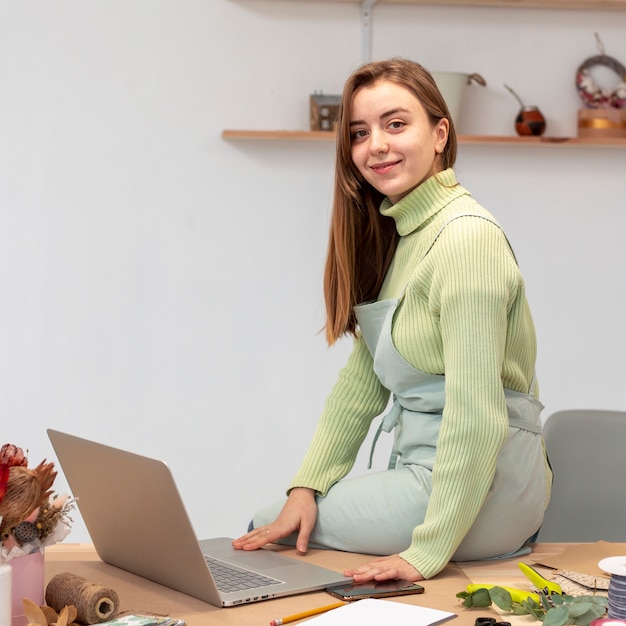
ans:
(471, 281)
(356, 398)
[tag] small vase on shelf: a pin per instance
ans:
(529, 119)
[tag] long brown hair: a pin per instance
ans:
(361, 241)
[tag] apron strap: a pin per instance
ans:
(516, 422)
(387, 424)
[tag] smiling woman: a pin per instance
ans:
(425, 281)
(393, 147)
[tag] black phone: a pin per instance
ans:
(374, 589)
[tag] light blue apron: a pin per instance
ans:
(376, 513)
(514, 507)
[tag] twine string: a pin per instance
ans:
(94, 603)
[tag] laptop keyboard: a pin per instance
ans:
(230, 578)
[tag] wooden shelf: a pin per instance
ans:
(596, 5)
(512, 140)
(366, 6)
(279, 135)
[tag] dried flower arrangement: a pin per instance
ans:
(32, 516)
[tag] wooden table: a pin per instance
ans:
(137, 594)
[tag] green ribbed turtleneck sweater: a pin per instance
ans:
(464, 314)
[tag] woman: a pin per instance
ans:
(424, 279)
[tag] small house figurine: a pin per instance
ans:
(324, 111)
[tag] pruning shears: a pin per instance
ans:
(546, 586)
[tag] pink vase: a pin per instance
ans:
(27, 582)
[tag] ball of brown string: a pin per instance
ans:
(94, 603)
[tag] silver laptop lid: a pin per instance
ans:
(138, 522)
(134, 514)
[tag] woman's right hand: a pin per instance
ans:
(297, 515)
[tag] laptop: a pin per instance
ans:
(137, 521)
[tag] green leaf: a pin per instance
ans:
(583, 620)
(556, 616)
(532, 608)
(586, 618)
(519, 609)
(545, 602)
(597, 611)
(532, 604)
(481, 598)
(579, 608)
(467, 599)
(501, 598)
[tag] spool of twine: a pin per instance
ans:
(94, 603)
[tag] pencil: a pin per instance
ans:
(292, 618)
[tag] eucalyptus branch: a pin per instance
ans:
(552, 610)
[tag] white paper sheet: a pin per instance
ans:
(371, 612)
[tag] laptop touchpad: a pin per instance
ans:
(261, 559)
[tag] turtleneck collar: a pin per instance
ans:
(423, 202)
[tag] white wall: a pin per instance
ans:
(161, 288)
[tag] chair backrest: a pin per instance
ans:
(587, 451)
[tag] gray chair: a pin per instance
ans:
(587, 451)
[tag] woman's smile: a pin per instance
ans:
(384, 168)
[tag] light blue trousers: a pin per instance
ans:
(373, 514)
(376, 513)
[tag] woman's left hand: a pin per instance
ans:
(386, 568)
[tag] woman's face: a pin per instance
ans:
(393, 143)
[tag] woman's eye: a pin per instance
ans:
(359, 134)
(396, 124)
